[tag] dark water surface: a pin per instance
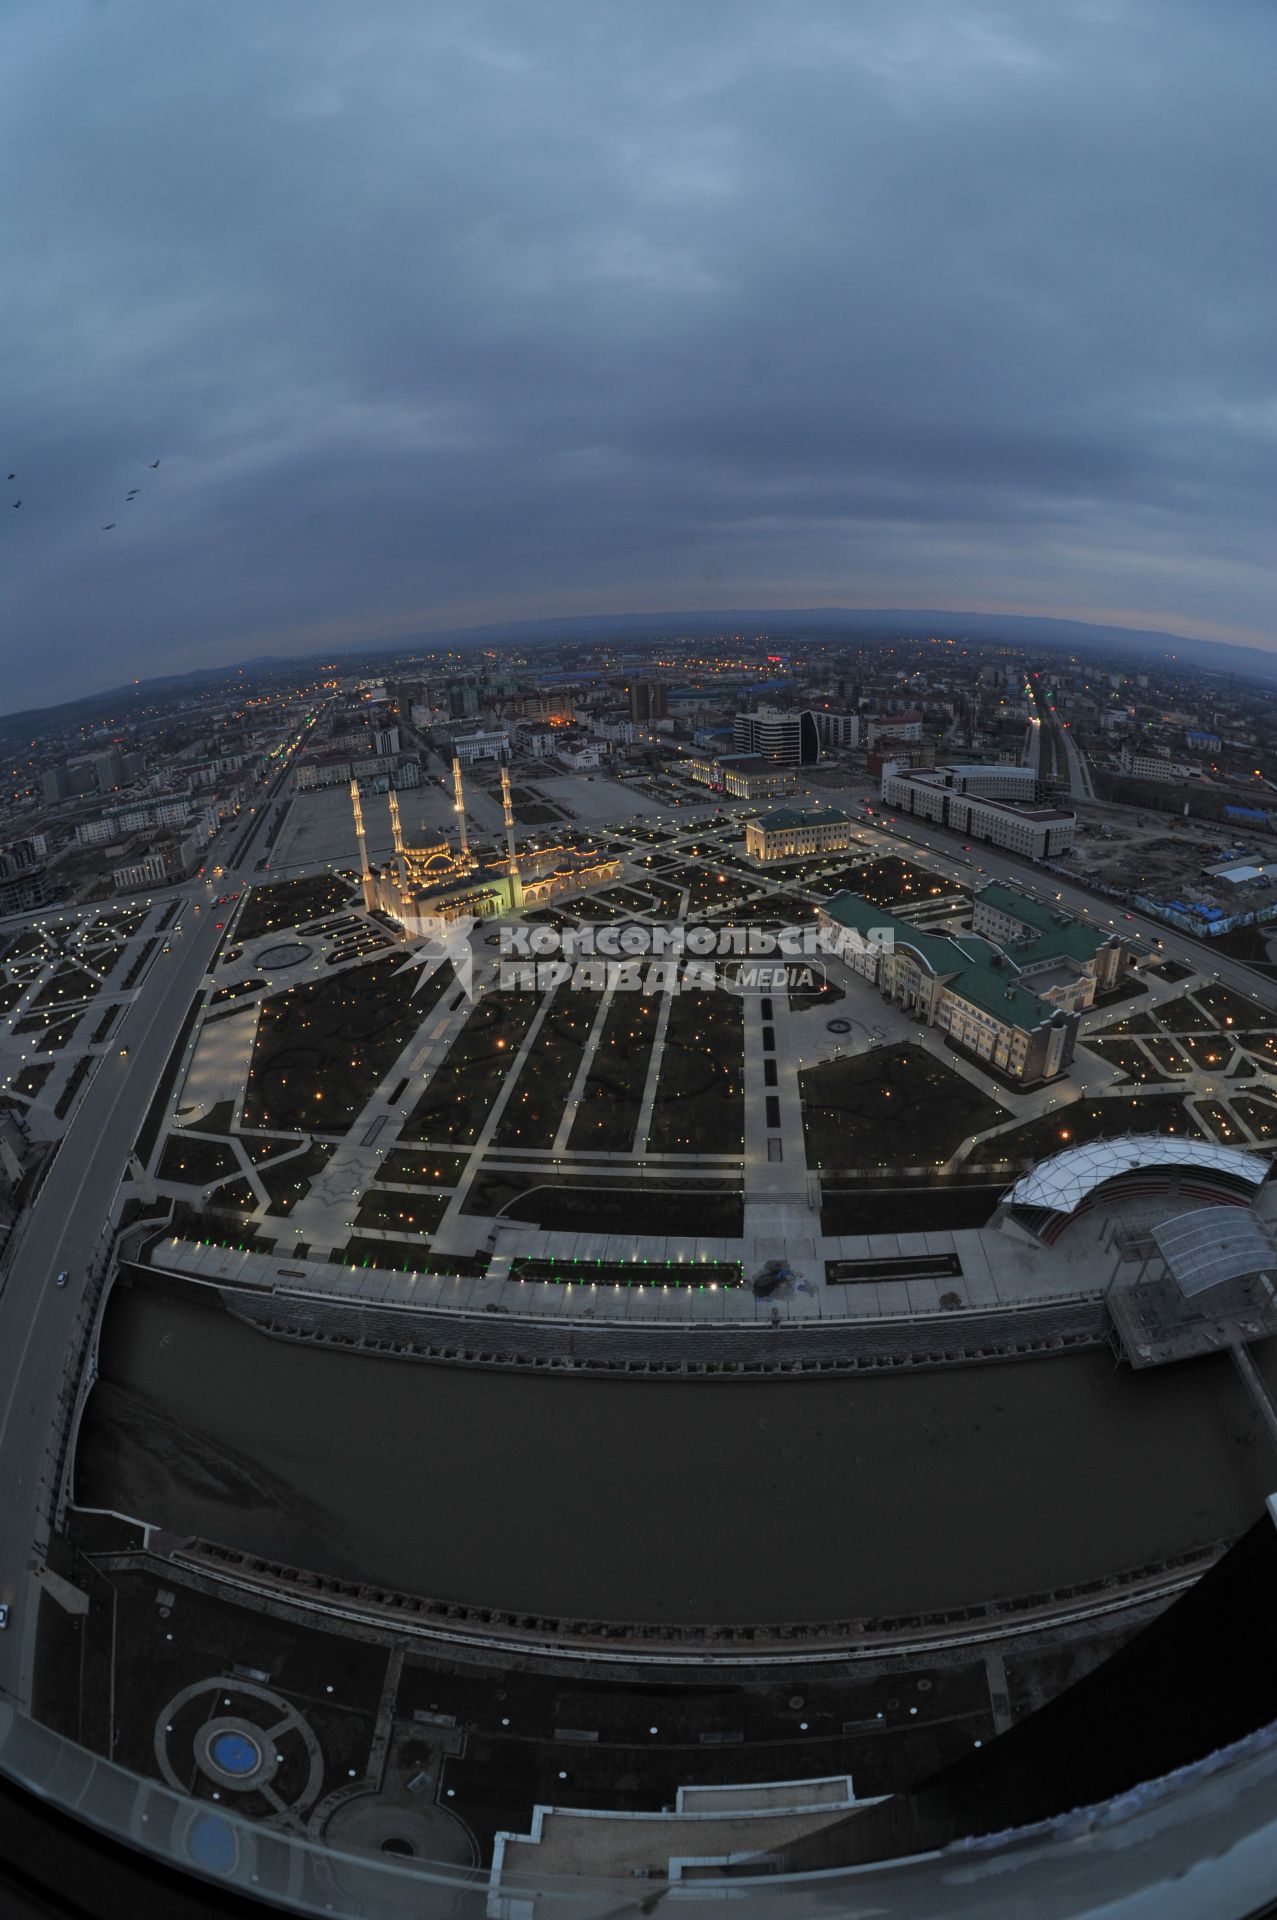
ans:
(661, 1500)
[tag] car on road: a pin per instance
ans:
(4, 1614)
(61, 1279)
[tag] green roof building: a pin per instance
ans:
(966, 985)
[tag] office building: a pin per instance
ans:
(775, 733)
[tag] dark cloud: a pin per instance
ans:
(481, 310)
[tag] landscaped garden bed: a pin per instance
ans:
(700, 1098)
(531, 1115)
(892, 1106)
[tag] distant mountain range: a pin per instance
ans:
(781, 623)
(1255, 662)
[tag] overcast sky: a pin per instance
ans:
(446, 313)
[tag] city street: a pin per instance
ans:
(65, 1229)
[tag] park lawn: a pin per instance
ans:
(1169, 1055)
(237, 1194)
(29, 1080)
(1183, 1015)
(893, 882)
(891, 1106)
(700, 1095)
(195, 1162)
(415, 1213)
(324, 1046)
(1231, 1009)
(460, 1093)
(1260, 1115)
(1133, 1023)
(1217, 1122)
(613, 1093)
(65, 986)
(290, 1180)
(1210, 1051)
(58, 1032)
(531, 1115)
(1128, 1057)
(1084, 1120)
(289, 903)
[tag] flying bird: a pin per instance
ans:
(13, 476)
(17, 503)
(108, 526)
(155, 463)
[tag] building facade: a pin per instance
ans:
(775, 733)
(1037, 833)
(966, 987)
(742, 776)
(790, 834)
(1059, 957)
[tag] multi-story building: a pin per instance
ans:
(837, 729)
(993, 780)
(24, 880)
(1038, 833)
(336, 769)
(777, 734)
(894, 728)
(535, 737)
(108, 769)
(1058, 956)
(649, 701)
(743, 776)
(790, 833)
(966, 987)
(1151, 766)
(620, 733)
(487, 744)
(152, 870)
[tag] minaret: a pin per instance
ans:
(460, 804)
(370, 896)
(396, 835)
(507, 809)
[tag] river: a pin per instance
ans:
(661, 1500)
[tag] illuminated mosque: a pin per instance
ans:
(422, 885)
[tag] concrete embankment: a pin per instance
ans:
(704, 1350)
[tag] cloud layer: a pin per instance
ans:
(508, 308)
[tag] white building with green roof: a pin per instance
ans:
(966, 986)
(1058, 955)
(791, 833)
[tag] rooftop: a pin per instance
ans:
(799, 817)
(971, 966)
(1066, 1179)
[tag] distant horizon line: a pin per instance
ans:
(540, 628)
